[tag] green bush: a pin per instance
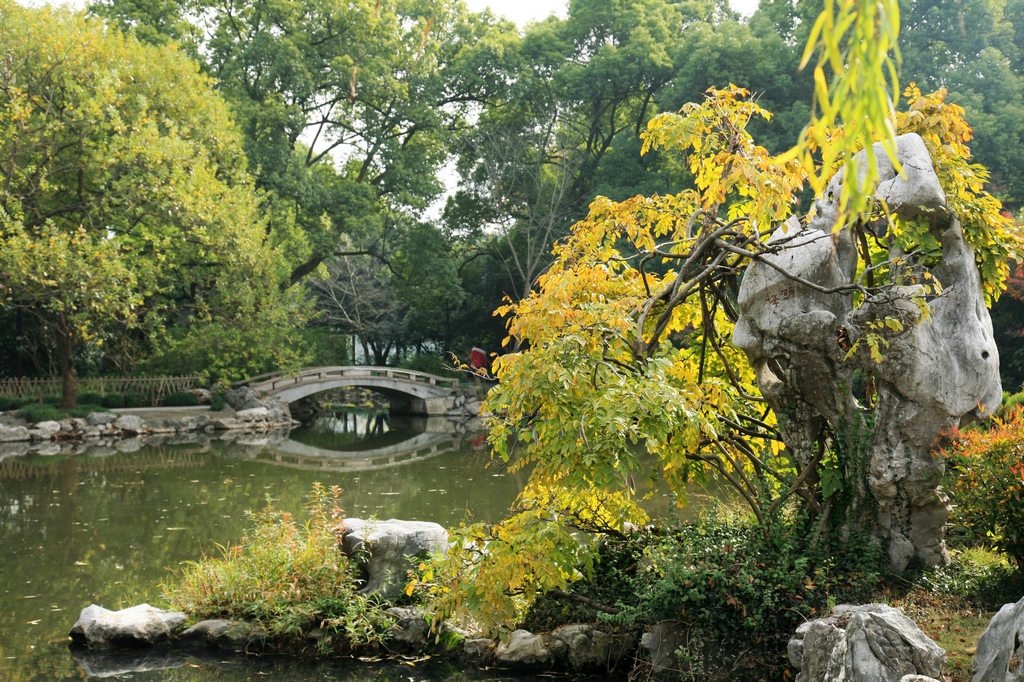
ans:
(985, 478)
(217, 403)
(287, 577)
(181, 399)
(984, 579)
(431, 364)
(1011, 403)
(14, 403)
(112, 400)
(737, 590)
(91, 398)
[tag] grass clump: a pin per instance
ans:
(44, 412)
(217, 403)
(286, 577)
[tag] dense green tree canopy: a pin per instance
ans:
(125, 199)
(347, 107)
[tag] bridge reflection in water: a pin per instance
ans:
(348, 442)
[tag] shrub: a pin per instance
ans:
(737, 590)
(986, 481)
(429, 363)
(1011, 403)
(41, 412)
(287, 577)
(91, 398)
(112, 400)
(15, 403)
(217, 403)
(181, 399)
(136, 400)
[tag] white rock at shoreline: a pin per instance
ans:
(140, 625)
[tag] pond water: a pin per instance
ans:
(107, 527)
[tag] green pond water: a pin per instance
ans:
(108, 527)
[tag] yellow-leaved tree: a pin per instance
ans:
(625, 345)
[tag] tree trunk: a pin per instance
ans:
(68, 380)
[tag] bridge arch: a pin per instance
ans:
(410, 392)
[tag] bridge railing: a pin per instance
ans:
(278, 380)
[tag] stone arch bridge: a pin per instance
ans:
(409, 392)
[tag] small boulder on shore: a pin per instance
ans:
(869, 643)
(234, 635)
(141, 625)
(386, 550)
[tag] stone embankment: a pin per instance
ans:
(246, 411)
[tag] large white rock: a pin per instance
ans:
(869, 643)
(13, 434)
(1000, 653)
(525, 649)
(129, 423)
(387, 550)
(101, 418)
(937, 372)
(45, 430)
(254, 414)
(140, 625)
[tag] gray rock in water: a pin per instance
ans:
(45, 430)
(48, 448)
(13, 434)
(140, 625)
(1000, 650)
(411, 628)
(225, 634)
(527, 650)
(478, 650)
(129, 423)
(386, 550)
(130, 445)
(106, 663)
(870, 643)
(14, 448)
(590, 649)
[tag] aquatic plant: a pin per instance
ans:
(287, 577)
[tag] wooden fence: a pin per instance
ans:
(152, 389)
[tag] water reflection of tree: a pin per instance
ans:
(110, 530)
(346, 422)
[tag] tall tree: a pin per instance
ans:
(118, 160)
(347, 107)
